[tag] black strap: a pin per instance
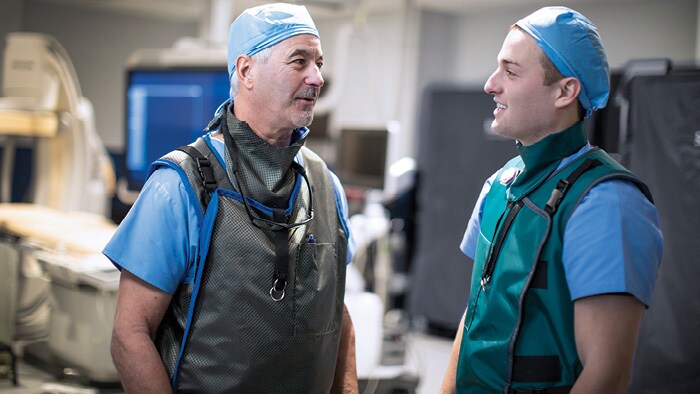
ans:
(536, 369)
(496, 247)
(563, 185)
(281, 240)
(204, 169)
(280, 235)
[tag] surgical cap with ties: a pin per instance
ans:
(573, 44)
(262, 27)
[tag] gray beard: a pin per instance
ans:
(304, 119)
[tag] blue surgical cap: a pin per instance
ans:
(262, 27)
(573, 44)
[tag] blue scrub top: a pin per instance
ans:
(158, 239)
(612, 242)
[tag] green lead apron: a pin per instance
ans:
(518, 333)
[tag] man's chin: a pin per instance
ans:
(304, 120)
(495, 128)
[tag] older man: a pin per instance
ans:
(565, 241)
(233, 258)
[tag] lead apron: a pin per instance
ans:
(238, 339)
(519, 334)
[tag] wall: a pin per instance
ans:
(644, 29)
(372, 52)
(437, 58)
(378, 71)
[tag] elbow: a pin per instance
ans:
(124, 344)
(117, 347)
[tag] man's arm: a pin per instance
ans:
(606, 328)
(449, 382)
(140, 308)
(345, 380)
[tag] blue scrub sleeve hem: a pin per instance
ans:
(121, 269)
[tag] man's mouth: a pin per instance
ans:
(308, 95)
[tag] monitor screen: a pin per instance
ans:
(165, 109)
(361, 158)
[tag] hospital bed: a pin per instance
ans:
(53, 259)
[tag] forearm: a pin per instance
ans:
(140, 308)
(345, 379)
(449, 382)
(139, 365)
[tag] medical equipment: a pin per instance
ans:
(57, 290)
(171, 93)
(41, 98)
(166, 108)
(361, 158)
(65, 247)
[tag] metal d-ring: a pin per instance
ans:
(274, 291)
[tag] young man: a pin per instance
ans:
(566, 242)
(233, 258)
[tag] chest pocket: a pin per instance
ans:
(315, 289)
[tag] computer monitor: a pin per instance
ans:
(362, 156)
(166, 108)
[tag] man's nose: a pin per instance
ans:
(314, 78)
(490, 86)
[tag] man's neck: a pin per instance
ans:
(566, 119)
(271, 135)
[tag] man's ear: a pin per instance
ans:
(569, 89)
(244, 70)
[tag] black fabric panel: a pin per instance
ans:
(664, 151)
(539, 280)
(536, 369)
(549, 390)
(455, 156)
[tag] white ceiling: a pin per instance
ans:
(198, 9)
